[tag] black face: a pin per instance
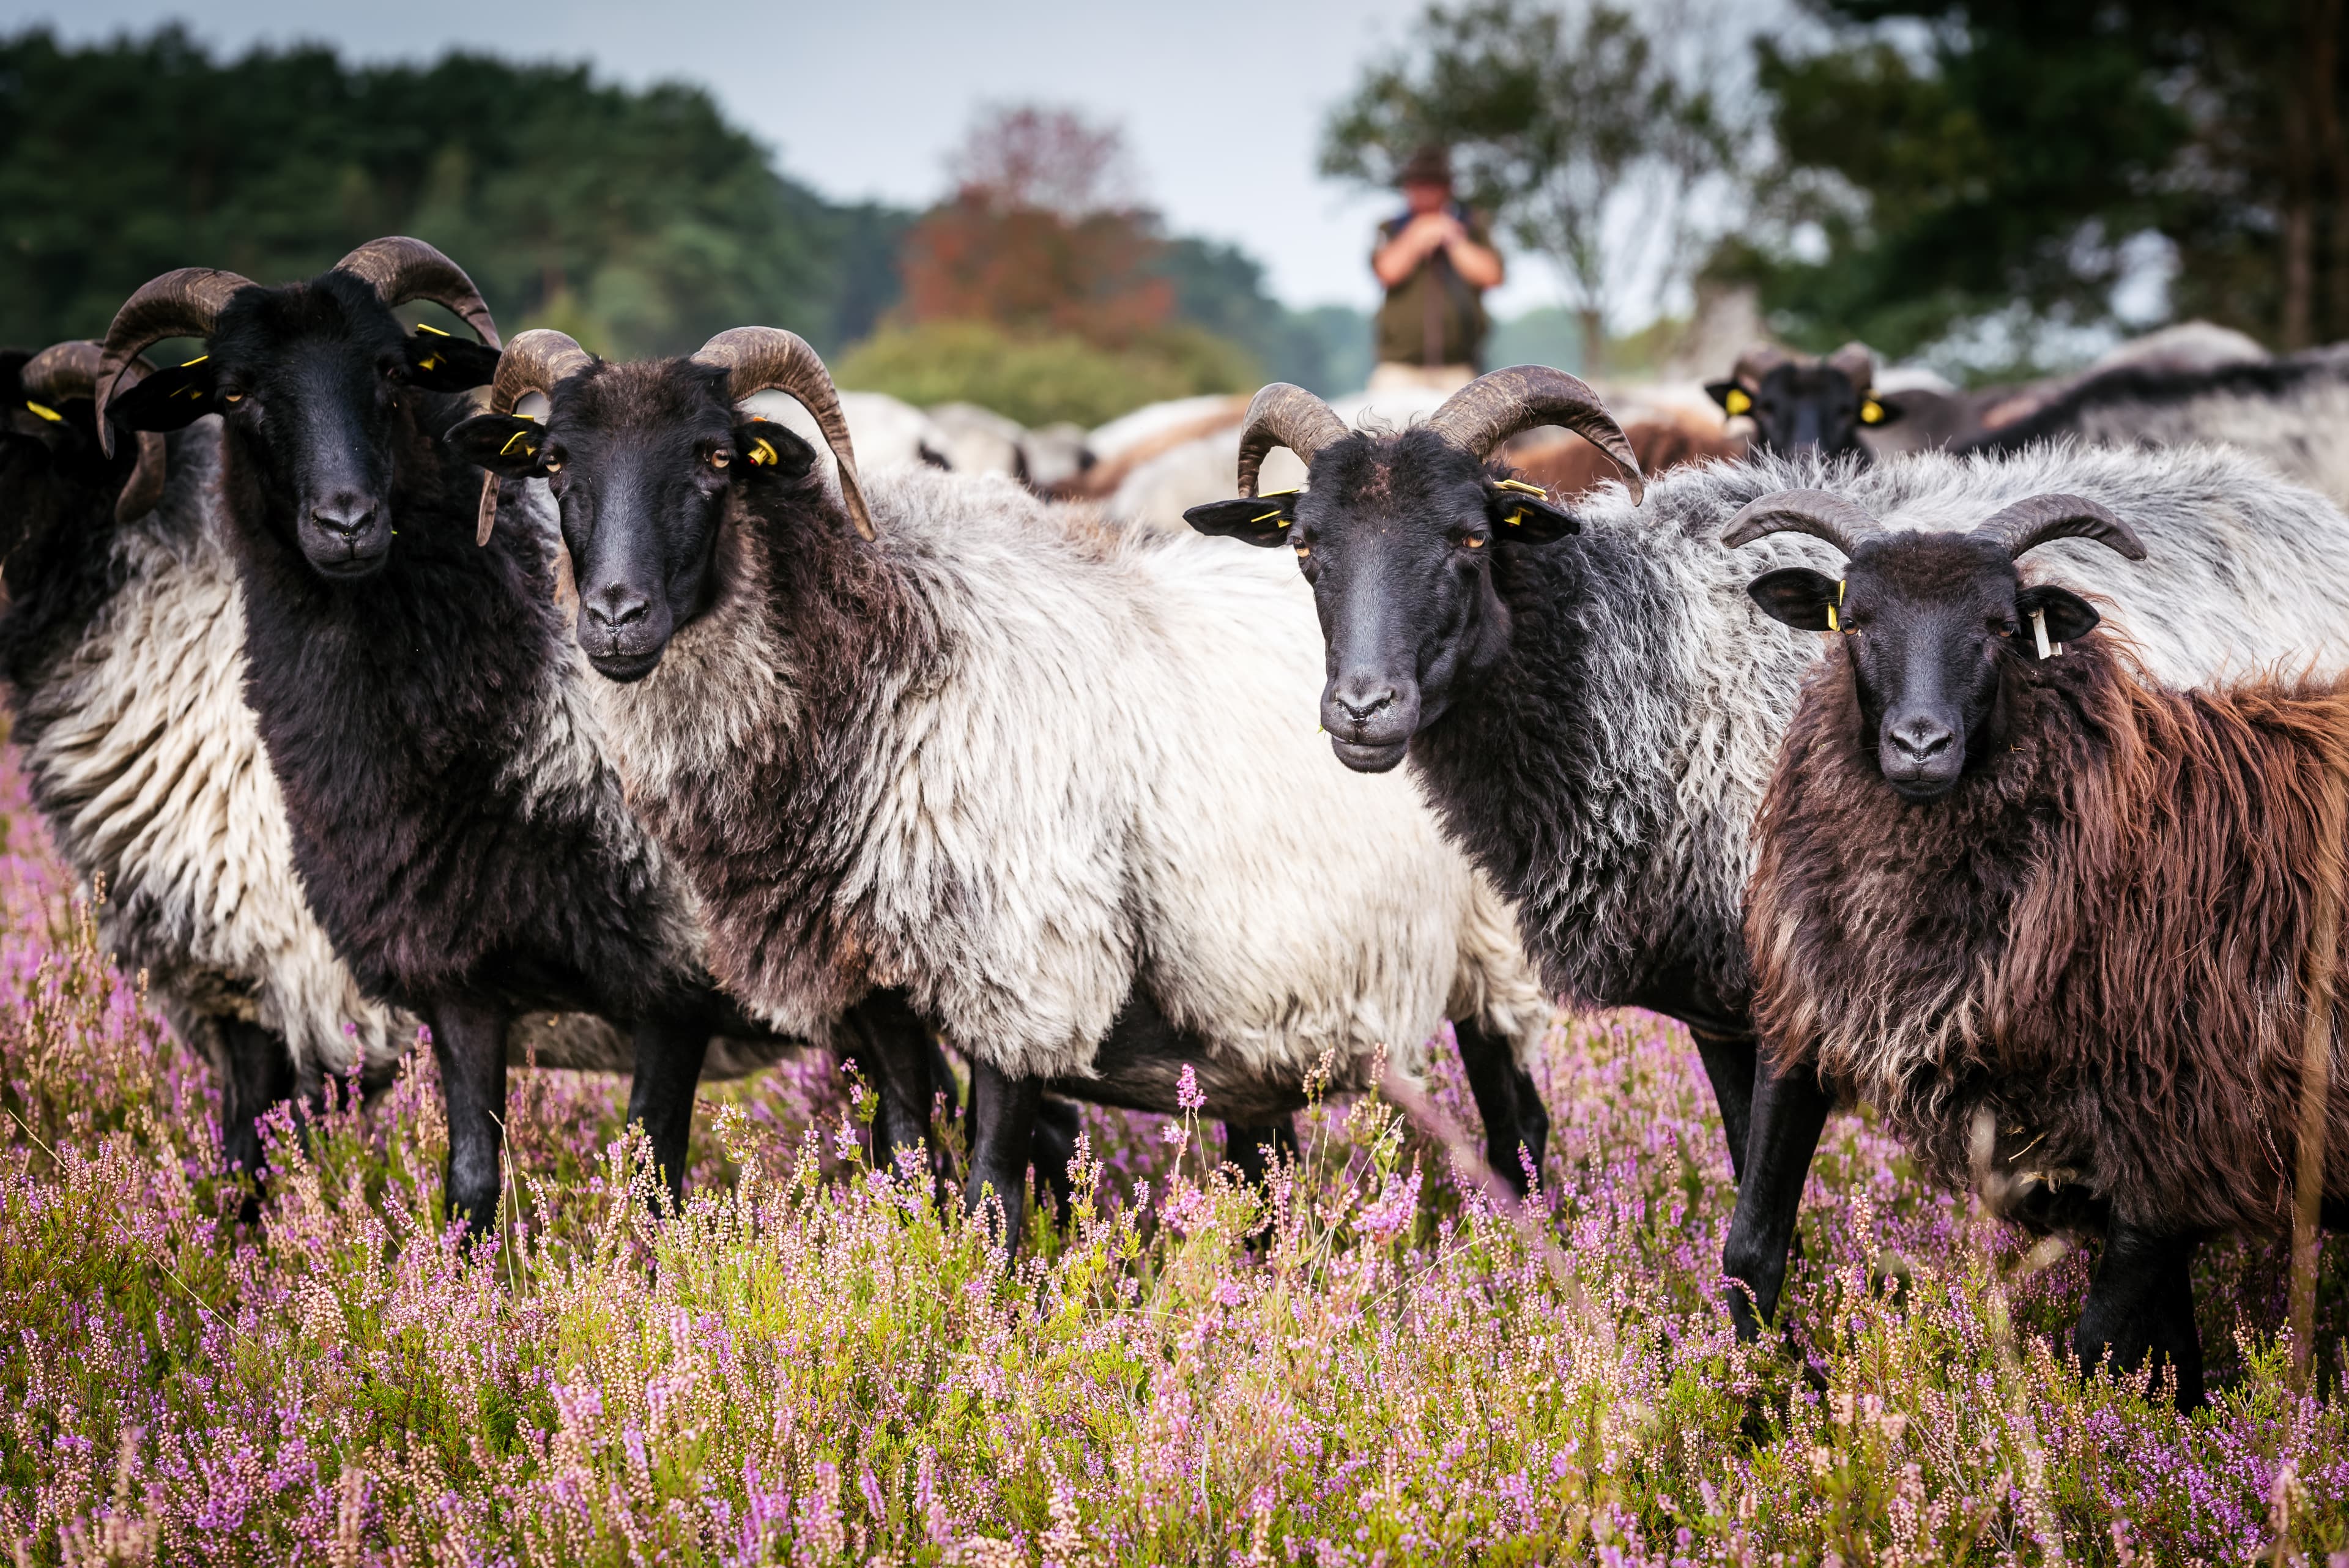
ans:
(1934, 625)
(1806, 408)
(51, 470)
(316, 382)
(642, 460)
(1397, 535)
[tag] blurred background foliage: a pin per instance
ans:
(1992, 186)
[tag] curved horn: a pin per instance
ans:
(1496, 405)
(400, 269)
(1284, 415)
(71, 369)
(2039, 518)
(532, 362)
(1822, 516)
(1857, 360)
(768, 358)
(181, 304)
(1758, 362)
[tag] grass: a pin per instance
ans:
(1371, 1363)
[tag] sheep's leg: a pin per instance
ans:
(895, 1049)
(670, 1048)
(260, 1079)
(1790, 1111)
(1003, 1137)
(1730, 1061)
(2141, 1303)
(1057, 1124)
(1245, 1146)
(468, 1041)
(1515, 1117)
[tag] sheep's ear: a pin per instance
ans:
(1525, 512)
(771, 450)
(1796, 596)
(1876, 412)
(1732, 398)
(505, 445)
(440, 363)
(167, 401)
(1263, 520)
(2070, 617)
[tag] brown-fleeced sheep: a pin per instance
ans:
(2050, 917)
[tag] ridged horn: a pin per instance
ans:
(2035, 520)
(1498, 404)
(1758, 362)
(184, 303)
(66, 370)
(532, 362)
(400, 269)
(1284, 415)
(1840, 523)
(1857, 360)
(768, 358)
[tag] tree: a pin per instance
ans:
(1040, 236)
(2018, 160)
(1593, 136)
(640, 220)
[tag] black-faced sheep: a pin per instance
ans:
(1593, 705)
(1802, 406)
(1058, 787)
(460, 835)
(2049, 916)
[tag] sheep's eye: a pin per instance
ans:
(233, 397)
(1303, 551)
(719, 458)
(553, 466)
(1472, 541)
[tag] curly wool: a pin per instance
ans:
(2095, 940)
(1023, 770)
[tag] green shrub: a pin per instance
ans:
(1040, 380)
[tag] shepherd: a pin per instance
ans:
(1435, 259)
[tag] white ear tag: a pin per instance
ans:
(2039, 631)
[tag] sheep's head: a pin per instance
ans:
(314, 379)
(1799, 404)
(1397, 534)
(644, 460)
(53, 444)
(1934, 623)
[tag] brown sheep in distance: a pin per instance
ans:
(2047, 915)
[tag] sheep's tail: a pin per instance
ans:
(1495, 984)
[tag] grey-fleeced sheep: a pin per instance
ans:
(1059, 787)
(2289, 413)
(1594, 706)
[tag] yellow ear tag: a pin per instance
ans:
(46, 412)
(1832, 625)
(429, 362)
(763, 452)
(1277, 495)
(530, 451)
(1736, 402)
(1516, 518)
(434, 330)
(1266, 518)
(197, 360)
(1871, 413)
(1521, 487)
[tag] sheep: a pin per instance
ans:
(2288, 412)
(1593, 705)
(1055, 786)
(1799, 404)
(2048, 915)
(457, 829)
(979, 441)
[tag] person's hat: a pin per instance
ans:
(1430, 165)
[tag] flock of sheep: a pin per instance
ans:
(666, 716)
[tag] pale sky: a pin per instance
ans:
(1222, 100)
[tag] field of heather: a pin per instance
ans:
(809, 1366)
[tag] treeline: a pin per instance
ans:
(640, 221)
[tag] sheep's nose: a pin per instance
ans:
(1921, 740)
(345, 514)
(616, 608)
(1361, 700)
